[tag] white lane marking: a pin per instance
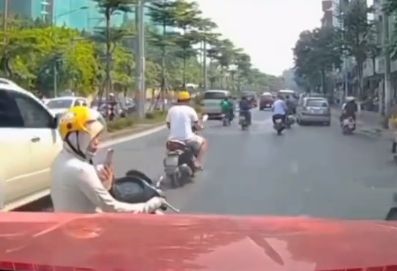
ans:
(117, 141)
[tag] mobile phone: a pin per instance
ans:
(109, 157)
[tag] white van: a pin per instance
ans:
(212, 102)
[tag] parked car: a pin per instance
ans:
(266, 101)
(314, 110)
(29, 143)
(211, 103)
(58, 106)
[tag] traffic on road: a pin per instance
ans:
(311, 170)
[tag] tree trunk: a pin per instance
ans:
(360, 80)
(108, 54)
(163, 51)
(323, 87)
(184, 68)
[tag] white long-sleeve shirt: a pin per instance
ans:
(76, 188)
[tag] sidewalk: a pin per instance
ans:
(368, 123)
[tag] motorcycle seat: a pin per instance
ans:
(175, 145)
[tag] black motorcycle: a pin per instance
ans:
(136, 187)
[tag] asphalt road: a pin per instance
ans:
(310, 170)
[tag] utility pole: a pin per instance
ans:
(139, 19)
(5, 18)
(205, 73)
(55, 71)
(387, 78)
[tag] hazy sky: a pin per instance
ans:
(266, 29)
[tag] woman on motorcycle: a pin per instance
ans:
(76, 186)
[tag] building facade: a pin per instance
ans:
(29, 8)
(332, 10)
(79, 14)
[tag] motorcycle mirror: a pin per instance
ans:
(159, 182)
(205, 117)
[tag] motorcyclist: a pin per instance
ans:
(77, 186)
(112, 106)
(349, 109)
(181, 120)
(245, 107)
(290, 105)
(280, 109)
(227, 108)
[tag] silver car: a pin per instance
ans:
(314, 110)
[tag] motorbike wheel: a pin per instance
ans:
(185, 174)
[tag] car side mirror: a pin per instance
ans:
(55, 121)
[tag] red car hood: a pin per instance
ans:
(146, 242)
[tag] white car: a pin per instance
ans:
(29, 143)
(60, 105)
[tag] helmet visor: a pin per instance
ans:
(97, 127)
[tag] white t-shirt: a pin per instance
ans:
(181, 119)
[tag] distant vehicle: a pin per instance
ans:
(58, 106)
(211, 103)
(29, 143)
(266, 100)
(252, 98)
(310, 95)
(314, 110)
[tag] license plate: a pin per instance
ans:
(278, 120)
(171, 161)
(242, 118)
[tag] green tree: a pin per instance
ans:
(108, 9)
(162, 13)
(356, 35)
(316, 53)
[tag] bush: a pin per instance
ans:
(119, 124)
(156, 115)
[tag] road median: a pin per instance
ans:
(128, 126)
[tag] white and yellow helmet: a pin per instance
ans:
(79, 126)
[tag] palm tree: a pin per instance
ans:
(108, 9)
